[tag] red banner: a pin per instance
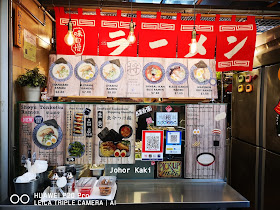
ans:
(206, 38)
(85, 29)
(236, 45)
(157, 37)
(113, 34)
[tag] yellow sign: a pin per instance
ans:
(169, 169)
(29, 46)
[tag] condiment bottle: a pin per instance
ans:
(53, 188)
(70, 182)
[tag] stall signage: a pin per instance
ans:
(205, 141)
(156, 37)
(85, 28)
(206, 38)
(45, 140)
(166, 119)
(152, 145)
(113, 34)
(29, 46)
(144, 110)
(236, 45)
(18, 27)
(173, 142)
(115, 140)
(129, 77)
(169, 169)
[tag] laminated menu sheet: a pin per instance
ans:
(205, 144)
(79, 133)
(41, 132)
(115, 129)
(110, 76)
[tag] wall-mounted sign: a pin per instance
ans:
(18, 41)
(152, 145)
(29, 46)
(166, 118)
(44, 138)
(173, 142)
(79, 133)
(131, 77)
(205, 141)
(169, 169)
(115, 140)
(143, 110)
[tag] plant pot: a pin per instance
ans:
(32, 93)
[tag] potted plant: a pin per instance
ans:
(32, 82)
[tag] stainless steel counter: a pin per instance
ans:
(184, 192)
(166, 194)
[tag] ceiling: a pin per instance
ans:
(268, 12)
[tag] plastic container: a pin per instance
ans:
(85, 186)
(105, 184)
(28, 188)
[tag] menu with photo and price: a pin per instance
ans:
(111, 76)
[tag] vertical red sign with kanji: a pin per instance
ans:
(236, 45)
(113, 34)
(85, 30)
(157, 37)
(206, 38)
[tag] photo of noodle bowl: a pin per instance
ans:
(61, 71)
(47, 136)
(153, 72)
(86, 70)
(111, 71)
(177, 73)
(200, 73)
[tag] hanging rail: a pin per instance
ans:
(105, 10)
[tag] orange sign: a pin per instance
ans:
(18, 27)
(279, 74)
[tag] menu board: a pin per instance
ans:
(111, 76)
(115, 129)
(41, 132)
(79, 133)
(205, 141)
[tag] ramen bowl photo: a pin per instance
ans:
(86, 71)
(61, 72)
(177, 73)
(153, 72)
(47, 136)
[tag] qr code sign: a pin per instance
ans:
(173, 138)
(152, 142)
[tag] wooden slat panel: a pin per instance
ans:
(202, 117)
(47, 111)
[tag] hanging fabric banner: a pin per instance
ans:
(85, 29)
(236, 45)
(157, 37)
(205, 37)
(113, 34)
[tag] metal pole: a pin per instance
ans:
(5, 71)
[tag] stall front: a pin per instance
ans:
(132, 114)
